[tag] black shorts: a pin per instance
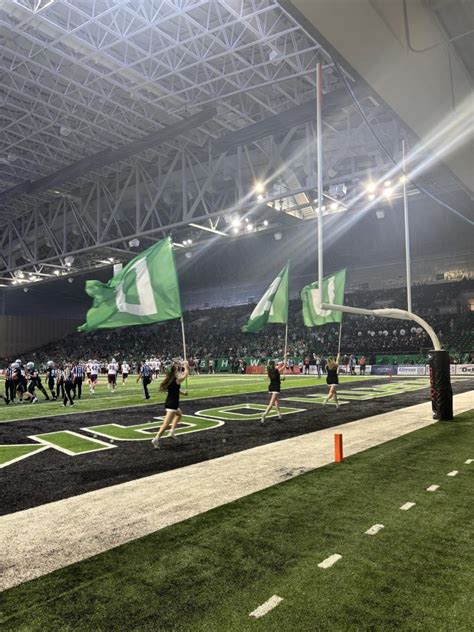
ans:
(332, 381)
(124, 376)
(112, 378)
(93, 377)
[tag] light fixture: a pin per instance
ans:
(188, 255)
(277, 236)
(249, 228)
(259, 187)
(69, 260)
(334, 206)
(111, 259)
(371, 196)
(388, 192)
(25, 290)
(14, 282)
(402, 179)
(21, 274)
(265, 222)
(370, 187)
(190, 241)
(12, 157)
(236, 221)
(387, 183)
(64, 131)
(133, 243)
(70, 280)
(57, 272)
(380, 214)
(235, 230)
(260, 197)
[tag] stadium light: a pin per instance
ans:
(260, 198)
(371, 196)
(69, 260)
(388, 192)
(259, 187)
(57, 272)
(249, 228)
(334, 206)
(387, 183)
(370, 187)
(265, 222)
(235, 230)
(236, 222)
(402, 179)
(133, 243)
(277, 236)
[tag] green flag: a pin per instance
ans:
(146, 291)
(273, 306)
(333, 293)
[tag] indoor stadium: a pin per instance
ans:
(236, 315)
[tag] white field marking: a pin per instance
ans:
(24, 456)
(374, 529)
(469, 461)
(432, 488)
(453, 473)
(330, 561)
(266, 607)
(38, 439)
(407, 506)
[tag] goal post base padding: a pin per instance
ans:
(441, 391)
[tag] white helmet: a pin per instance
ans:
(30, 365)
(113, 360)
(14, 365)
(50, 363)
(18, 361)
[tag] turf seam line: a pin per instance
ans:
(407, 506)
(330, 561)
(266, 607)
(453, 473)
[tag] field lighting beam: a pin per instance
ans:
(209, 229)
(319, 165)
(407, 228)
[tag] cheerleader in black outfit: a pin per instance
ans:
(332, 379)
(274, 389)
(172, 384)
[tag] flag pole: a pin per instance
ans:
(184, 346)
(340, 337)
(286, 347)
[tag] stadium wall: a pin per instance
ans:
(22, 333)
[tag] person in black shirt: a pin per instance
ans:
(78, 373)
(145, 376)
(274, 389)
(51, 373)
(332, 380)
(68, 377)
(35, 380)
(171, 384)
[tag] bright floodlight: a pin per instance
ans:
(69, 260)
(265, 222)
(371, 196)
(235, 230)
(236, 222)
(57, 272)
(402, 179)
(387, 183)
(388, 192)
(334, 206)
(259, 187)
(249, 227)
(370, 187)
(260, 197)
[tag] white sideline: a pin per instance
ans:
(49, 537)
(407, 506)
(330, 561)
(374, 529)
(432, 488)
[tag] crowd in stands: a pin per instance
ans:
(216, 332)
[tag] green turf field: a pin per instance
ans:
(131, 394)
(208, 573)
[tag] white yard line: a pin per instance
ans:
(330, 561)
(48, 537)
(407, 506)
(432, 488)
(469, 461)
(453, 473)
(375, 529)
(266, 607)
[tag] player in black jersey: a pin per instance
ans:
(274, 389)
(35, 379)
(332, 379)
(51, 374)
(78, 377)
(21, 384)
(68, 381)
(171, 384)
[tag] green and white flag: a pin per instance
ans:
(333, 293)
(273, 306)
(146, 291)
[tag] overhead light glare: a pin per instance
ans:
(236, 222)
(259, 187)
(236, 230)
(388, 192)
(387, 183)
(249, 228)
(371, 196)
(334, 206)
(370, 187)
(260, 198)
(265, 222)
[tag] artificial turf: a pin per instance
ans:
(209, 572)
(131, 394)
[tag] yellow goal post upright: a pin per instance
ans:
(440, 373)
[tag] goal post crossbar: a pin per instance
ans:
(401, 314)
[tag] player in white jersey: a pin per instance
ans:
(95, 370)
(125, 371)
(112, 369)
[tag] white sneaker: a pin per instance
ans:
(35, 399)
(262, 420)
(173, 434)
(156, 443)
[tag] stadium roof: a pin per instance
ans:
(127, 120)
